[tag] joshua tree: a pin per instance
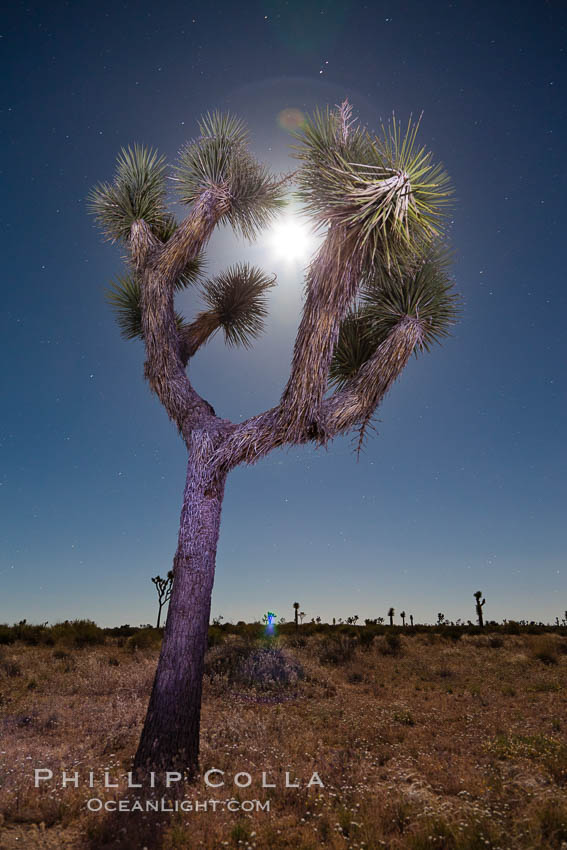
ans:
(391, 613)
(440, 619)
(479, 606)
(377, 291)
(296, 613)
(411, 620)
(164, 587)
(301, 616)
(403, 616)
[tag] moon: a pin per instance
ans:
(291, 240)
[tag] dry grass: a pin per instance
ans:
(453, 745)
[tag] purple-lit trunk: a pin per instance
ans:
(170, 737)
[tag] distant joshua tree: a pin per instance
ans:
(317, 620)
(391, 613)
(411, 620)
(479, 606)
(440, 619)
(403, 616)
(377, 291)
(379, 620)
(301, 616)
(296, 614)
(164, 586)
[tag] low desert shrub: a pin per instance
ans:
(145, 639)
(11, 669)
(544, 649)
(6, 635)
(77, 633)
(269, 668)
(337, 649)
(215, 636)
(366, 638)
(391, 645)
(551, 821)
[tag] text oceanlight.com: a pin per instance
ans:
(95, 804)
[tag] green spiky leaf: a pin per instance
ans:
(165, 228)
(124, 296)
(137, 192)
(219, 161)
(354, 347)
(237, 300)
(424, 291)
(192, 273)
(385, 191)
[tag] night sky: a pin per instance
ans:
(461, 488)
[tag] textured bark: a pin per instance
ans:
(170, 737)
(332, 283)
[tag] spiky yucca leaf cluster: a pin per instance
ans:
(236, 299)
(166, 228)
(424, 292)
(219, 162)
(125, 293)
(137, 192)
(355, 345)
(385, 191)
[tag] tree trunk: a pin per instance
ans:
(159, 615)
(170, 737)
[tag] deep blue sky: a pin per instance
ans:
(463, 486)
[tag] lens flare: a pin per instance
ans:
(291, 119)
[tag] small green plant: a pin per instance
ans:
(403, 716)
(240, 833)
(552, 824)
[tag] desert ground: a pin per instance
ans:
(433, 738)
